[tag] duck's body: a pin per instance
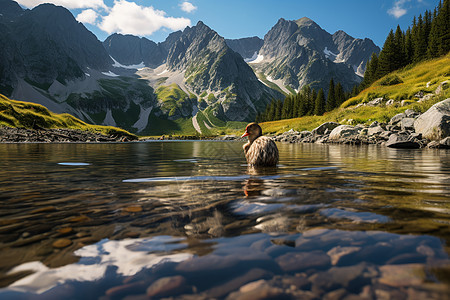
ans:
(260, 150)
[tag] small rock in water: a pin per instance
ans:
(337, 252)
(62, 243)
(167, 286)
(297, 261)
(133, 208)
(402, 275)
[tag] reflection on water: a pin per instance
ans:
(181, 218)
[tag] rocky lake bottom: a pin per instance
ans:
(189, 220)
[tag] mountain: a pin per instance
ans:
(47, 44)
(195, 79)
(298, 53)
(248, 48)
(133, 50)
(210, 66)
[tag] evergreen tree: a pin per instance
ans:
(386, 59)
(443, 20)
(278, 109)
(419, 40)
(331, 99)
(433, 39)
(399, 56)
(339, 94)
(319, 107)
(312, 102)
(371, 73)
(408, 47)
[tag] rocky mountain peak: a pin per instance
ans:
(10, 8)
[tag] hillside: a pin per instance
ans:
(405, 87)
(30, 115)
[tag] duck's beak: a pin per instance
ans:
(245, 134)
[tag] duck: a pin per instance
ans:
(260, 151)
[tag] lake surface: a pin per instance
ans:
(191, 220)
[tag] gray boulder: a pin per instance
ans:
(445, 143)
(344, 131)
(443, 86)
(407, 124)
(375, 130)
(397, 118)
(434, 124)
(324, 127)
(401, 142)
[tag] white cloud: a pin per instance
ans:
(398, 10)
(187, 7)
(129, 18)
(88, 16)
(70, 4)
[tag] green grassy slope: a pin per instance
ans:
(425, 77)
(29, 115)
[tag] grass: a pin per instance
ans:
(29, 115)
(407, 82)
(400, 85)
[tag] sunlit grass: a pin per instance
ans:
(30, 115)
(415, 79)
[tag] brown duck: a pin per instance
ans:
(260, 150)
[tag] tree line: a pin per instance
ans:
(428, 37)
(305, 103)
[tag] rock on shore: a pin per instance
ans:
(23, 135)
(405, 130)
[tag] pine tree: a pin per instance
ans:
(386, 59)
(408, 47)
(371, 73)
(433, 47)
(331, 99)
(419, 38)
(399, 56)
(339, 94)
(443, 20)
(278, 109)
(319, 107)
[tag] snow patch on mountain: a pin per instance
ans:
(259, 58)
(130, 67)
(254, 57)
(328, 53)
(110, 74)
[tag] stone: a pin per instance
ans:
(402, 275)
(374, 124)
(445, 143)
(397, 118)
(401, 142)
(62, 243)
(377, 130)
(167, 286)
(407, 124)
(434, 124)
(260, 289)
(298, 261)
(337, 252)
(322, 128)
(442, 86)
(236, 283)
(390, 102)
(133, 209)
(375, 102)
(344, 131)
(411, 113)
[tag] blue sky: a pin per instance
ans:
(155, 19)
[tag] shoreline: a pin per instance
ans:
(12, 135)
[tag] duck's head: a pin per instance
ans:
(253, 131)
